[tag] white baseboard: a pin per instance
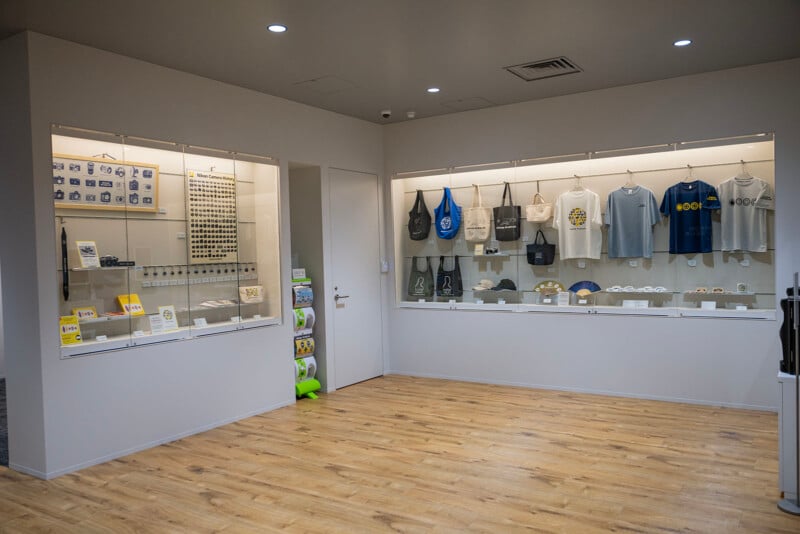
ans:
(125, 452)
(590, 391)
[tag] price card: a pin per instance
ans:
(563, 298)
(200, 322)
(501, 301)
(169, 319)
(138, 333)
(156, 323)
(236, 319)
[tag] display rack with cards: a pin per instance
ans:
(305, 363)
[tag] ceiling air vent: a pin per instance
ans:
(546, 68)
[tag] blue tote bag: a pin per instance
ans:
(448, 216)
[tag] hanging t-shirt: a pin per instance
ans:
(688, 206)
(631, 213)
(743, 216)
(579, 222)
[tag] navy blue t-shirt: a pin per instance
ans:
(688, 206)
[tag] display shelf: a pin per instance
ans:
(651, 311)
(729, 314)
(89, 347)
(553, 308)
(726, 294)
(104, 318)
(667, 292)
(172, 335)
(487, 306)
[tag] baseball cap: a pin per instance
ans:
(587, 285)
(483, 284)
(505, 285)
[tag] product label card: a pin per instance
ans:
(168, 317)
(70, 330)
(87, 253)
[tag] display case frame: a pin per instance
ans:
(148, 288)
(656, 168)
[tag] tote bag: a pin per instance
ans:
(541, 253)
(419, 220)
(477, 219)
(540, 211)
(420, 282)
(506, 218)
(448, 216)
(448, 283)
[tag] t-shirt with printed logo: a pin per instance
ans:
(631, 213)
(688, 206)
(743, 216)
(579, 223)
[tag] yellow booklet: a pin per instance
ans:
(130, 304)
(87, 312)
(70, 329)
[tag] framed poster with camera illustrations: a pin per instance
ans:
(95, 183)
(211, 204)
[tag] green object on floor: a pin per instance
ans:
(306, 388)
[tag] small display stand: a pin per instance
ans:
(305, 364)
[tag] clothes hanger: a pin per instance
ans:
(578, 185)
(629, 183)
(689, 177)
(744, 175)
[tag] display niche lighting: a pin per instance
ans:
(277, 28)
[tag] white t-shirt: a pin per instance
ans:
(743, 215)
(579, 222)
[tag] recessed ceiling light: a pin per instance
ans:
(276, 28)
(433, 89)
(682, 42)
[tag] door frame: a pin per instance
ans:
(330, 305)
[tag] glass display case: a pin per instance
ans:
(159, 241)
(503, 274)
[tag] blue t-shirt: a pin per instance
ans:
(688, 206)
(631, 213)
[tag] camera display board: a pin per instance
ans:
(104, 184)
(211, 206)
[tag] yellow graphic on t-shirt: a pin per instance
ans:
(577, 217)
(689, 206)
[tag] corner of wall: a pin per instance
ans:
(23, 362)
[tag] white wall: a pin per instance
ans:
(305, 198)
(101, 406)
(715, 361)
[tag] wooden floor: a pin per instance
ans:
(419, 455)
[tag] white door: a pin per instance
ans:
(355, 256)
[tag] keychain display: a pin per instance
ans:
(212, 217)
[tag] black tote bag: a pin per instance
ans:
(506, 218)
(448, 283)
(419, 220)
(541, 253)
(420, 281)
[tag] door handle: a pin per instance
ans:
(337, 296)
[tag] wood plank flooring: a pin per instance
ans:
(419, 455)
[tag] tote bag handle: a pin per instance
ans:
(538, 199)
(476, 192)
(507, 190)
(418, 203)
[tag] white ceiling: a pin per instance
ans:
(358, 57)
